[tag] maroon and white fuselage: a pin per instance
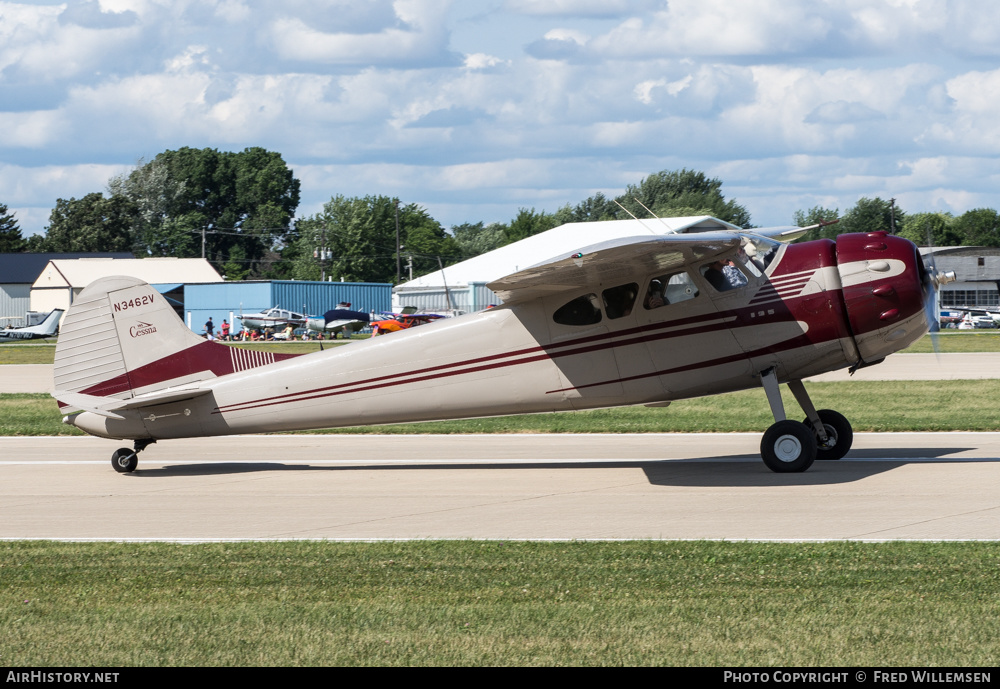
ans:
(566, 338)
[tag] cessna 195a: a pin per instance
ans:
(639, 320)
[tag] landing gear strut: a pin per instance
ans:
(790, 446)
(125, 460)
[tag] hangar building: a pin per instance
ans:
(228, 300)
(19, 271)
(62, 279)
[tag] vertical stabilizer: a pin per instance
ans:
(121, 338)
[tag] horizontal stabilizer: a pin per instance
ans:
(90, 403)
(107, 407)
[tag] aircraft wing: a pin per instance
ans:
(613, 261)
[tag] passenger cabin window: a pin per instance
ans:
(723, 275)
(669, 289)
(581, 311)
(618, 301)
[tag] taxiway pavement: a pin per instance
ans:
(936, 486)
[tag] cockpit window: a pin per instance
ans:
(669, 289)
(618, 301)
(759, 251)
(581, 311)
(723, 275)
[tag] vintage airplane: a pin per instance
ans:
(274, 317)
(402, 321)
(47, 328)
(639, 320)
(339, 320)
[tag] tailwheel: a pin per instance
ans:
(839, 435)
(125, 460)
(788, 446)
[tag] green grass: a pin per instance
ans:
(957, 342)
(500, 603)
(26, 354)
(44, 354)
(965, 405)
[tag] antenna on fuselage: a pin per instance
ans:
(653, 214)
(633, 216)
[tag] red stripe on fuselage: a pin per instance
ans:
(713, 323)
(204, 356)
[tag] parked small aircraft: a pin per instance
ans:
(339, 320)
(641, 320)
(402, 321)
(47, 328)
(274, 317)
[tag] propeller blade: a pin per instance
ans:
(933, 279)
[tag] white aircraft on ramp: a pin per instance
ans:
(638, 320)
(47, 328)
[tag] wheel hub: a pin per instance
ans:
(831, 438)
(788, 448)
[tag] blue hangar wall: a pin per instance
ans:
(225, 300)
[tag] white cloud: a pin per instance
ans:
(528, 104)
(483, 61)
(578, 8)
(36, 44)
(421, 37)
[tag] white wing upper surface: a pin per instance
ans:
(613, 261)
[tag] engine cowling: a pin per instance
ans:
(885, 290)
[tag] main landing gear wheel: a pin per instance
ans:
(125, 460)
(840, 435)
(788, 446)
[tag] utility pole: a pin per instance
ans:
(203, 242)
(322, 253)
(399, 269)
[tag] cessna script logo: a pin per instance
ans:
(142, 329)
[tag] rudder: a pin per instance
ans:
(117, 327)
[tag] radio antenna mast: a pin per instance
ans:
(633, 216)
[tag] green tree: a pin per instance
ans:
(155, 196)
(592, 209)
(473, 239)
(814, 216)
(978, 227)
(871, 215)
(937, 228)
(359, 235)
(240, 204)
(528, 223)
(93, 223)
(11, 240)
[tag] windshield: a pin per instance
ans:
(759, 251)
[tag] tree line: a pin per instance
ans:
(238, 211)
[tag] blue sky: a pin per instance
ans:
(474, 109)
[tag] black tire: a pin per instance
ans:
(839, 432)
(125, 460)
(788, 446)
